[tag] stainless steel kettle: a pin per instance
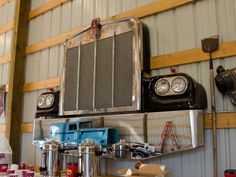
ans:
(88, 164)
(50, 163)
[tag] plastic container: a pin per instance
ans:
(5, 155)
(230, 173)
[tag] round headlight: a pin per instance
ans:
(41, 101)
(49, 100)
(162, 86)
(179, 85)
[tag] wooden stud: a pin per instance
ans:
(16, 78)
(46, 7)
(50, 42)
(179, 58)
(7, 88)
(3, 2)
(226, 49)
(8, 26)
(5, 59)
(224, 120)
(43, 84)
(27, 127)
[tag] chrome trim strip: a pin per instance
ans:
(62, 85)
(113, 68)
(103, 23)
(78, 72)
(94, 71)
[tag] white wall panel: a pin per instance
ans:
(2, 44)
(55, 22)
(66, 17)
(170, 31)
(7, 48)
(35, 4)
(53, 64)
(27, 149)
(6, 16)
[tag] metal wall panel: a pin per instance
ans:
(6, 16)
(170, 31)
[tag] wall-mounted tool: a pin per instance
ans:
(226, 82)
(210, 45)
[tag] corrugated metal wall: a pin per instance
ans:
(170, 31)
(6, 16)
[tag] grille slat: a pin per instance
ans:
(71, 79)
(85, 99)
(123, 70)
(103, 86)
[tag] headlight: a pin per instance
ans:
(179, 85)
(45, 100)
(162, 86)
(49, 100)
(170, 86)
(41, 101)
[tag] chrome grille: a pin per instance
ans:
(108, 76)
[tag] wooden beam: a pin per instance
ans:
(7, 88)
(43, 84)
(3, 2)
(179, 58)
(50, 42)
(138, 12)
(16, 78)
(26, 127)
(143, 11)
(224, 120)
(8, 26)
(2, 128)
(5, 59)
(46, 7)
(152, 8)
(226, 49)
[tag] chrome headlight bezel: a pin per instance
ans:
(49, 100)
(42, 101)
(184, 87)
(172, 91)
(160, 83)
